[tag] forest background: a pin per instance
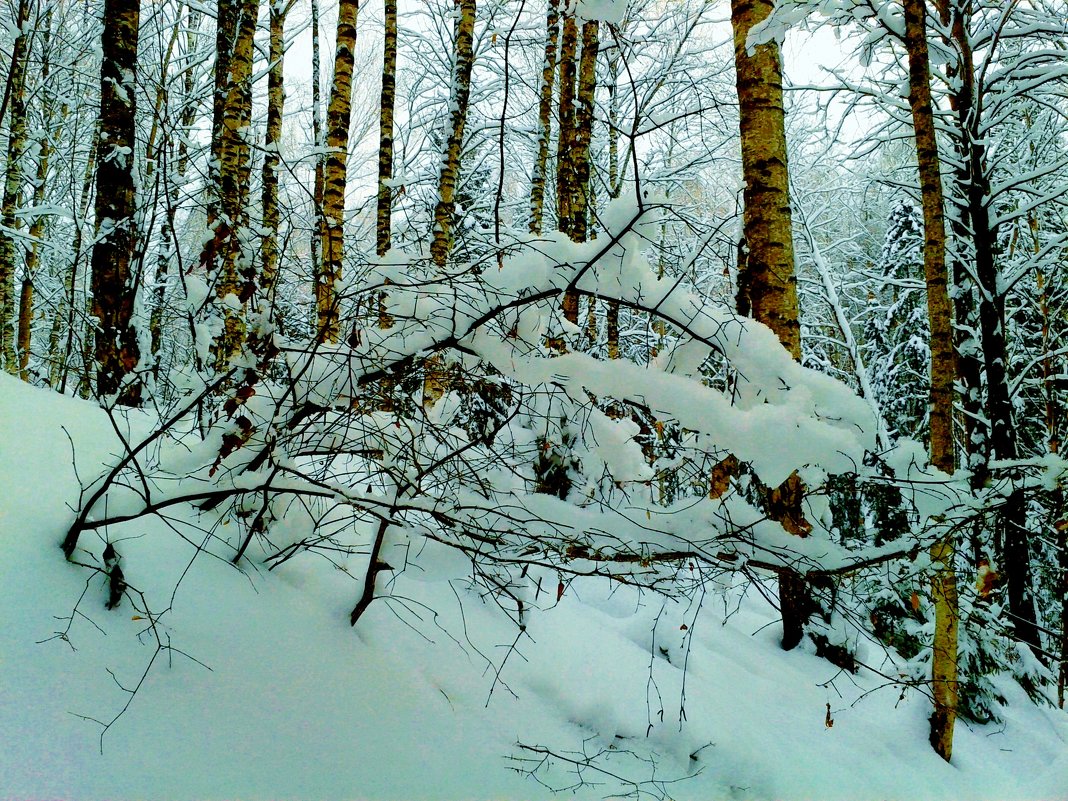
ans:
(575, 290)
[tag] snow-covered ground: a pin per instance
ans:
(268, 693)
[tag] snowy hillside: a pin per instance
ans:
(265, 692)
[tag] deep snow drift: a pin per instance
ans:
(268, 693)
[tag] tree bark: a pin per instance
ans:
(545, 106)
(317, 144)
(335, 173)
(583, 134)
(276, 98)
(943, 370)
(114, 285)
(565, 146)
(973, 189)
(15, 95)
(226, 21)
(767, 285)
(235, 272)
(450, 168)
(37, 227)
(383, 228)
(767, 280)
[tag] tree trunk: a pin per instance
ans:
(226, 21)
(943, 369)
(114, 285)
(387, 101)
(973, 189)
(235, 269)
(565, 146)
(545, 107)
(614, 181)
(276, 98)
(385, 130)
(37, 230)
(335, 173)
(37, 227)
(317, 144)
(15, 95)
(450, 168)
(583, 134)
(767, 280)
(767, 286)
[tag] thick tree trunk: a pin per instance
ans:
(767, 280)
(335, 173)
(450, 168)
(15, 95)
(545, 107)
(114, 285)
(943, 369)
(767, 285)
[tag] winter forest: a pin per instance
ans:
(494, 327)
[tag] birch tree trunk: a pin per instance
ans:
(236, 272)
(385, 130)
(387, 101)
(581, 204)
(15, 94)
(450, 168)
(226, 21)
(276, 98)
(114, 285)
(335, 173)
(943, 371)
(317, 144)
(565, 164)
(611, 323)
(767, 285)
(545, 107)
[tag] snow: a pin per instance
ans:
(420, 701)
